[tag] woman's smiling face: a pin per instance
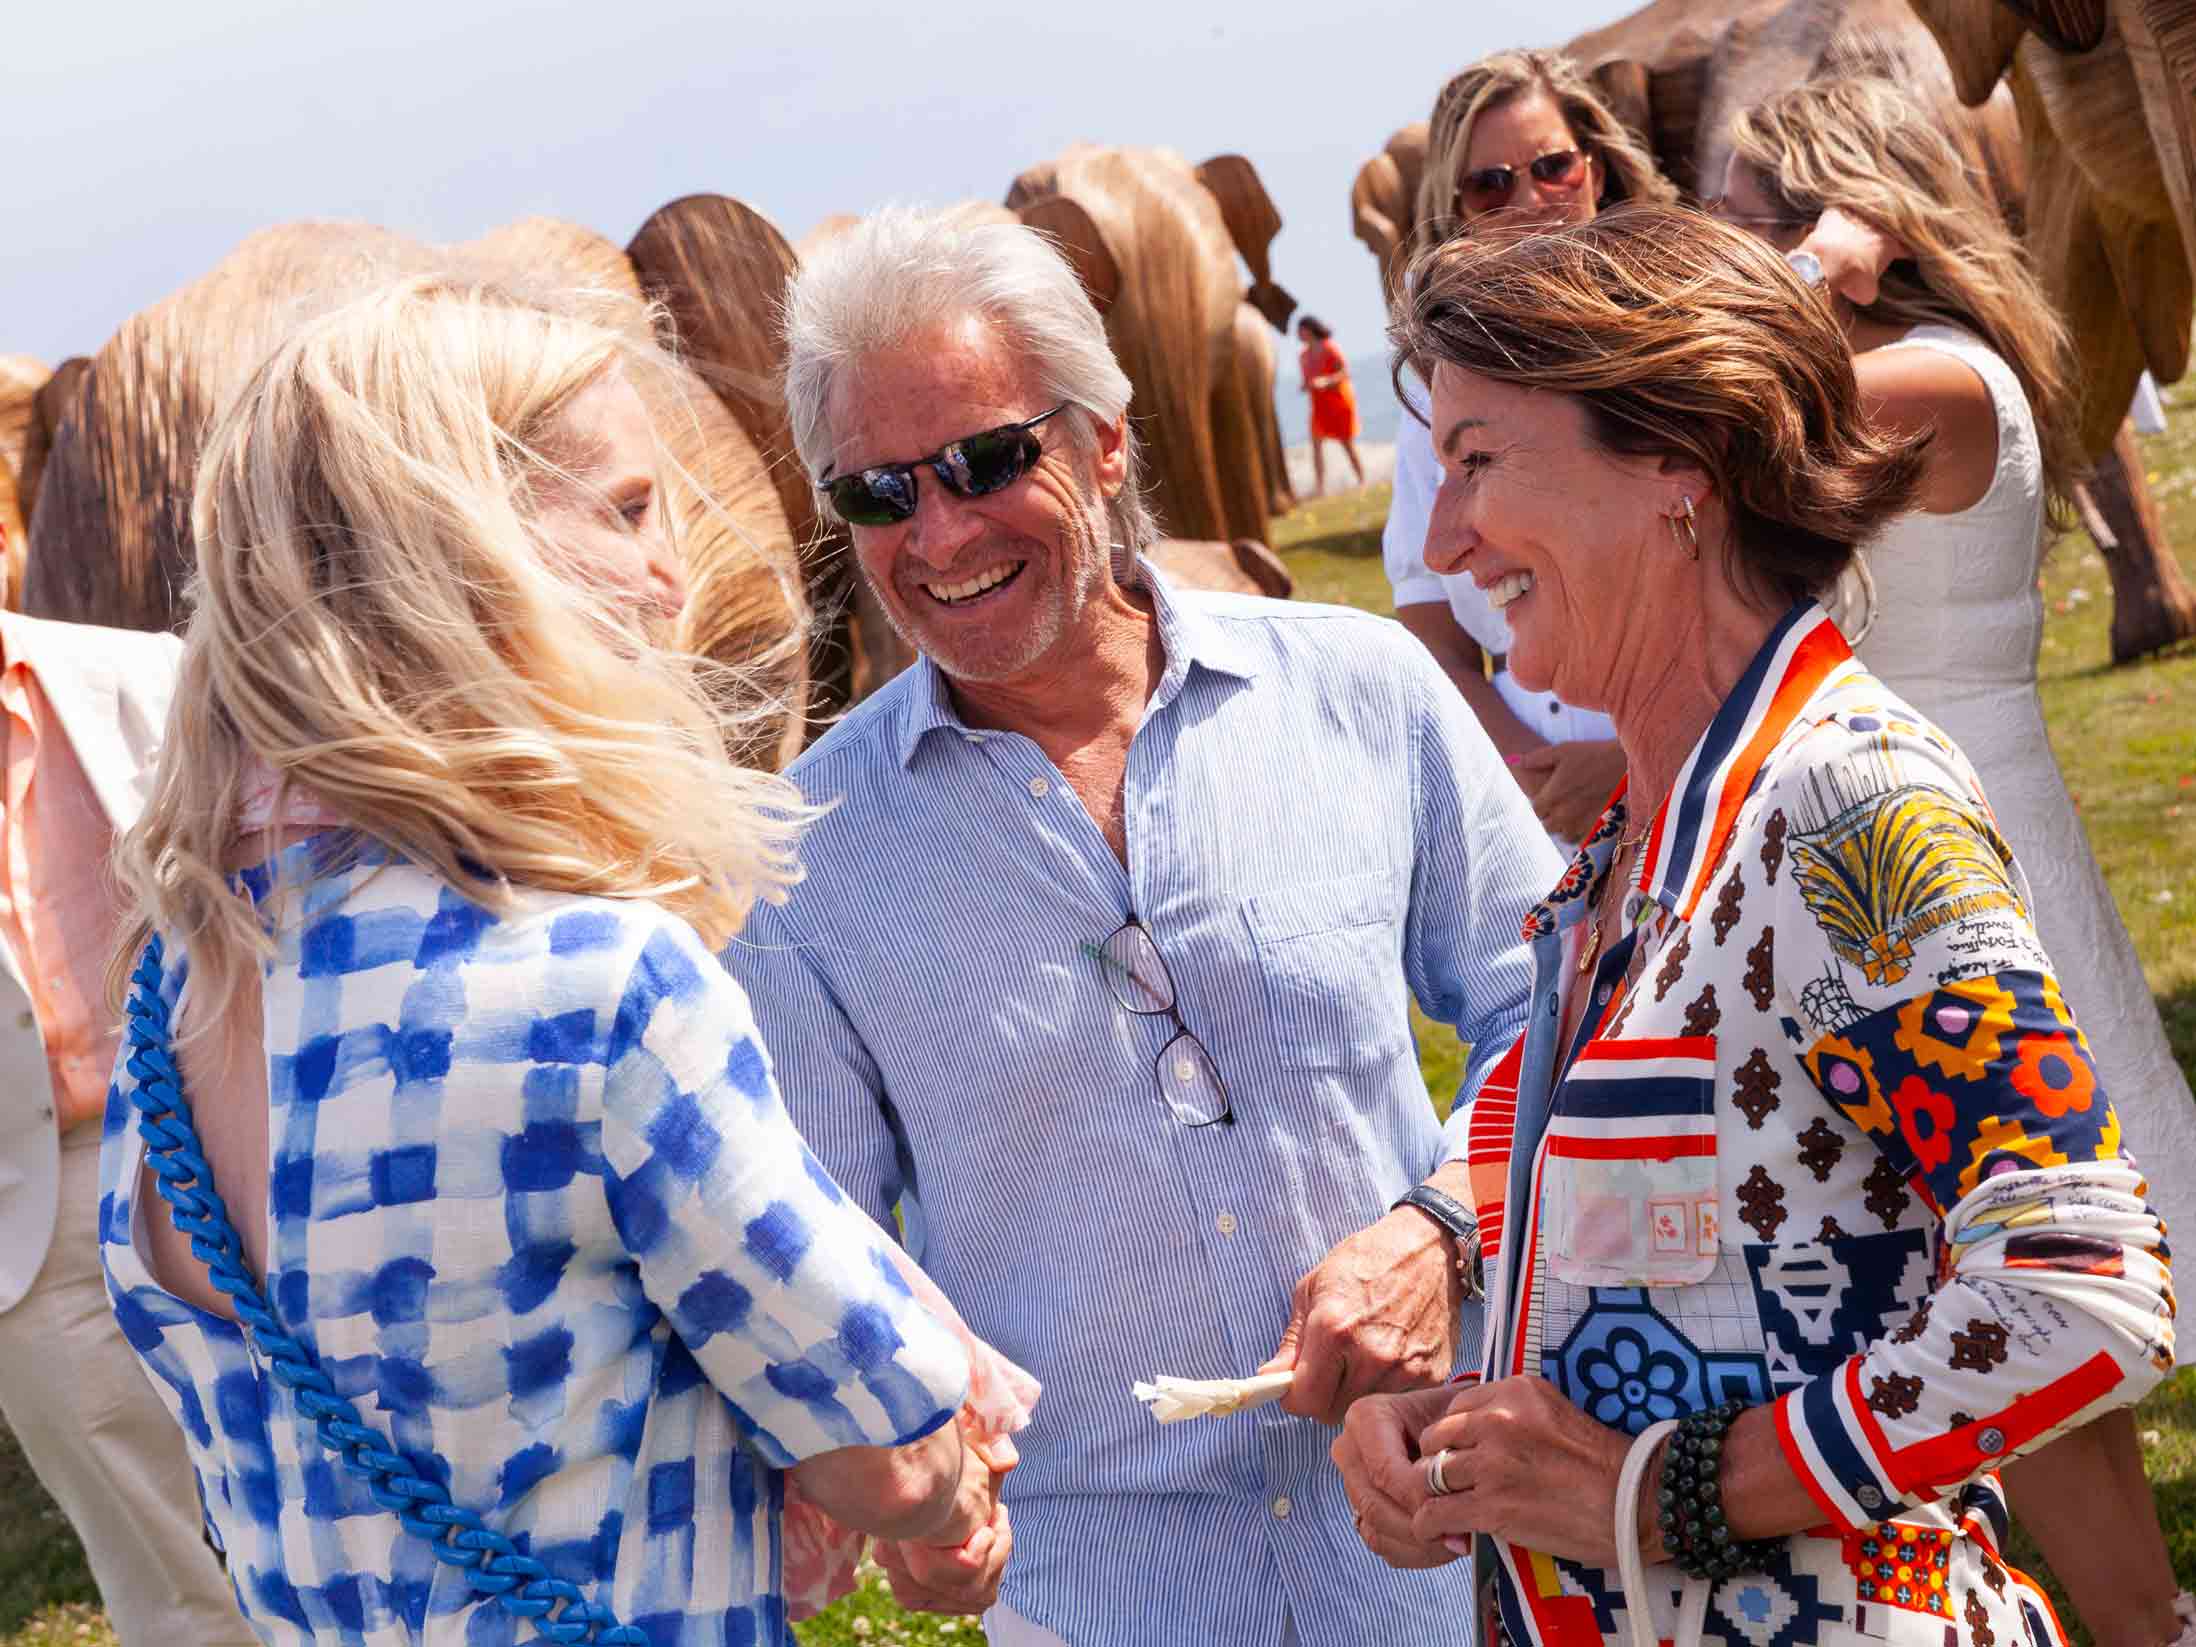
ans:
(1568, 540)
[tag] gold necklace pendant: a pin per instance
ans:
(1592, 946)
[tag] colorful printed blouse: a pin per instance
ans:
(1830, 1139)
(538, 1210)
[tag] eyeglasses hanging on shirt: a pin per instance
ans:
(1136, 974)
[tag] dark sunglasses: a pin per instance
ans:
(971, 467)
(1491, 186)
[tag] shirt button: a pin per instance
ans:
(973, 737)
(1185, 1069)
(24, 1020)
(1870, 1499)
(1991, 1441)
(1281, 1508)
(1040, 787)
(1225, 1223)
(1601, 995)
(1555, 708)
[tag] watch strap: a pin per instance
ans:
(1458, 1221)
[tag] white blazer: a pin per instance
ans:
(109, 689)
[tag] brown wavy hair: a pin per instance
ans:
(1686, 338)
(1865, 145)
(1628, 170)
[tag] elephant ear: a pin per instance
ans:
(20, 380)
(721, 269)
(47, 404)
(1080, 240)
(1624, 85)
(1978, 39)
(1253, 220)
(2160, 39)
(576, 254)
(1377, 217)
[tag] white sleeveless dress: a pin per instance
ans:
(1958, 620)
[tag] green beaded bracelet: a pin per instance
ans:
(1689, 1501)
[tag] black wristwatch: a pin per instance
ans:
(1457, 1222)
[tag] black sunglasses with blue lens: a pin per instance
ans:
(971, 467)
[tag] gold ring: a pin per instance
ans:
(1437, 1480)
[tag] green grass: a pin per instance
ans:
(2123, 737)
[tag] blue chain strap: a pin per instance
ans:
(496, 1568)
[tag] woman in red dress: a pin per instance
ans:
(1334, 402)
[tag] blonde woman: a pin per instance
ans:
(1518, 140)
(1953, 337)
(532, 1300)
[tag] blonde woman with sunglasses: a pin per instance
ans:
(1953, 337)
(520, 1299)
(1519, 140)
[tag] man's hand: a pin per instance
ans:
(1378, 1314)
(1853, 254)
(1377, 1453)
(964, 1578)
(1569, 783)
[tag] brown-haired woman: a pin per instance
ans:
(1333, 399)
(1806, 1155)
(1518, 139)
(1952, 334)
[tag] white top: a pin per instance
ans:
(1403, 554)
(1958, 620)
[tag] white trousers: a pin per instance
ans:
(77, 1400)
(1004, 1627)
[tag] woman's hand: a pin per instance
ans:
(1526, 1466)
(1377, 1454)
(959, 1571)
(1853, 254)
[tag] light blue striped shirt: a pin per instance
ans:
(1317, 830)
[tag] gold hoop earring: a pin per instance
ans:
(1684, 531)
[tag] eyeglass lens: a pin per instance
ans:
(1136, 974)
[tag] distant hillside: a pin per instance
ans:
(1378, 414)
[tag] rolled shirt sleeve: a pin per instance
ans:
(772, 1277)
(1480, 864)
(1410, 513)
(1949, 1044)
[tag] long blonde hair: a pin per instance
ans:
(1864, 144)
(1628, 170)
(374, 617)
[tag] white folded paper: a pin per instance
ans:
(1176, 1398)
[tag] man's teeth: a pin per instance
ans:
(951, 592)
(1505, 590)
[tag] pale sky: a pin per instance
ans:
(148, 139)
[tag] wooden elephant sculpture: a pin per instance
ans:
(114, 442)
(2107, 97)
(1155, 241)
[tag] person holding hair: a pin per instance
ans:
(1333, 399)
(1102, 972)
(495, 1279)
(1953, 335)
(1519, 140)
(1806, 1205)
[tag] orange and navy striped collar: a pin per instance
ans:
(1694, 824)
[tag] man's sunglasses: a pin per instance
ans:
(1491, 186)
(972, 467)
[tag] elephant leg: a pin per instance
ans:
(2152, 603)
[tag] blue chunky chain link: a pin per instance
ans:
(495, 1566)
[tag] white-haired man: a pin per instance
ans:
(1102, 967)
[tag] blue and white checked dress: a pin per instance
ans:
(537, 1208)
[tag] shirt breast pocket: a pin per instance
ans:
(1332, 960)
(1629, 1183)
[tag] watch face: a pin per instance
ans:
(1806, 265)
